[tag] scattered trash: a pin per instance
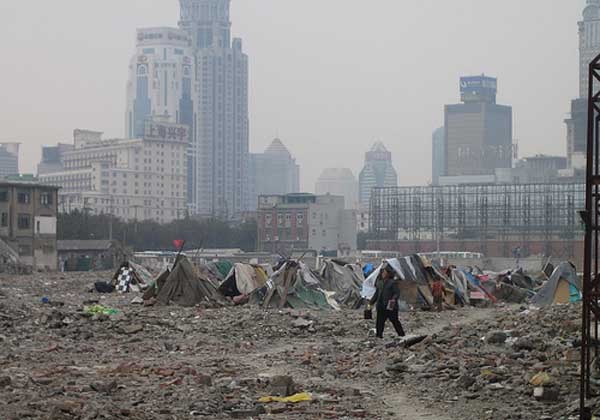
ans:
(540, 379)
(137, 301)
(296, 398)
(99, 309)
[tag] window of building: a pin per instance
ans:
(24, 197)
(46, 198)
(25, 250)
(3, 196)
(24, 221)
(4, 221)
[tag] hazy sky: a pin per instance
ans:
(329, 77)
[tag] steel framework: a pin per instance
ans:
(591, 273)
(506, 213)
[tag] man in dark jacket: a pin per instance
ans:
(386, 300)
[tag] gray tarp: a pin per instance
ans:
(295, 285)
(547, 294)
(345, 280)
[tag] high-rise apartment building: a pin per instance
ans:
(273, 172)
(438, 155)
(52, 158)
(340, 182)
(589, 48)
(9, 159)
(133, 179)
(162, 82)
(220, 148)
(161, 79)
(478, 132)
(378, 172)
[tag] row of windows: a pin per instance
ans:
(24, 197)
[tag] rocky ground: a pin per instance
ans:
(58, 361)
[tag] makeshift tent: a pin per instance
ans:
(210, 272)
(345, 280)
(220, 269)
(564, 286)
(185, 287)
(472, 286)
(294, 285)
(156, 285)
(243, 279)
(414, 280)
(131, 277)
(507, 286)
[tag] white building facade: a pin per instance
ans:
(161, 79)
(132, 179)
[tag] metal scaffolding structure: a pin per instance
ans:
(483, 213)
(591, 268)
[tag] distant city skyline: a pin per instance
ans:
(328, 114)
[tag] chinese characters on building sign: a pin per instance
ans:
(166, 132)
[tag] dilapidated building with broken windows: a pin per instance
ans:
(28, 213)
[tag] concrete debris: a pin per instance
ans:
(105, 358)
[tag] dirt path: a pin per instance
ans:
(394, 403)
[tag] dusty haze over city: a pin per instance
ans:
(328, 77)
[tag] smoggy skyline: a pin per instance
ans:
(328, 78)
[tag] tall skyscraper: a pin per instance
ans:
(9, 159)
(589, 48)
(377, 172)
(478, 132)
(274, 172)
(341, 182)
(161, 79)
(438, 155)
(219, 154)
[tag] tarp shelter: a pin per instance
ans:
(185, 287)
(414, 280)
(564, 286)
(156, 285)
(243, 279)
(220, 268)
(471, 285)
(510, 286)
(346, 280)
(294, 285)
(131, 277)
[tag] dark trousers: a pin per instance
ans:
(382, 316)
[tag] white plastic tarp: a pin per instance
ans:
(369, 289)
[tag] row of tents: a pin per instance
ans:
(339, 284)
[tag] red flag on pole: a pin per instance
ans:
(178, 244)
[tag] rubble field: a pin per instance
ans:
(62, 356)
